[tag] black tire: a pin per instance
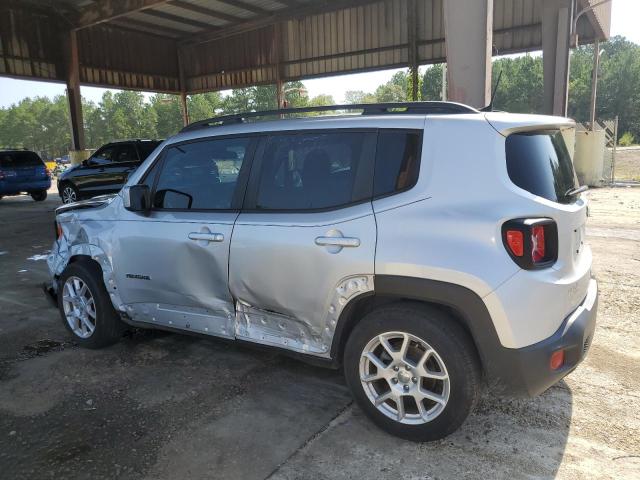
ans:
(39, 196)
(454, 348)
(72, 189)
(108, 326)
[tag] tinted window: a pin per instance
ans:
(397, 161)
(127, 153)
(151, 174)
(200, 175)
(146, 148)
(19, 159)
(540, 164)
(311, 171)
(104, 155)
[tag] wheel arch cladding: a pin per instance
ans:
(462, 304)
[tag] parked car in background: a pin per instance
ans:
(23, 171)
(106, 171)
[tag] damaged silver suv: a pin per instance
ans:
(427, 248)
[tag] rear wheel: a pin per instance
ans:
(39, 196)
(69, 193)
(413, 371)
(86, 308)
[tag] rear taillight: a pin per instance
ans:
(58, 230)
(531, 242)
(515, 242)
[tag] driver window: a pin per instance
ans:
(104, 155)
(200, 175)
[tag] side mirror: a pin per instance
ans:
(86, 162)
(137, 198)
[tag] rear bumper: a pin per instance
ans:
(15, 188)
(526, 371)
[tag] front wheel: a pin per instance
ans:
(39, 196)
(69, 193)
(413, 370)
(85, 306)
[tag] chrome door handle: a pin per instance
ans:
(207, 237)
(338, 242)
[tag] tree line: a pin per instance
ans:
(42, 124)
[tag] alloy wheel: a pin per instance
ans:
(68, 195)
(404, 378)
(79, 307)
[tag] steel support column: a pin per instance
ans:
(184, 106)
(412, 27)
(469, 44)
(73, 93)
(556, 34)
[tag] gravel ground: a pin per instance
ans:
(168, 406)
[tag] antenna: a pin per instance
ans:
(489, 108)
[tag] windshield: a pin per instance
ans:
(539, 163)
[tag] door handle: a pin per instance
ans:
(207, 237)
(351, 242)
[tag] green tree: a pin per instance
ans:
(395, 90)
(521, 85)
(358, 96)
(169, 114)
(432, 83)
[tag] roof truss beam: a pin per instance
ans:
(303, 9)
(245, 6)
(177, 19)
(205, 11)
(107, 10)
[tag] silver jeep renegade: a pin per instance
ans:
(428, 248)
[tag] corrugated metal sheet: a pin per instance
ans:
(161, 22)
(29, 46)
(247, 59)
(369, 36)
(116, 58)
(517, 25)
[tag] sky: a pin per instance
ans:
(624, 21)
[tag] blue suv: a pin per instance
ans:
(22, 171)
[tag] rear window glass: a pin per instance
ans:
(19, 159)
(146, 148)
(397, 162)
(539, 163)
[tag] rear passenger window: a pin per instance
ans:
(200, 175)
(313, 171)
(397, 161)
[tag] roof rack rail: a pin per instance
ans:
(424, 108)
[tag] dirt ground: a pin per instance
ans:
(164, 406)
(627, 164)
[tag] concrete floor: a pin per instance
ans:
(160, 405)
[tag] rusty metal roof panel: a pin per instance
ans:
(162, 22)
(32, 53)
(189, 15)
(123, 59)
(358, 38)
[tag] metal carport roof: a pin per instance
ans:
(200, 45)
